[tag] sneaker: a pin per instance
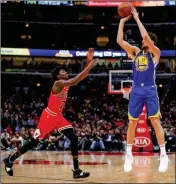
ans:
(164, 161)
(128, 163)
(80, 174)
(8, 166)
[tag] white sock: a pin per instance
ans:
(129, 149)
(162, 150)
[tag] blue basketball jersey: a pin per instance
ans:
(144, 69)
(144, 90)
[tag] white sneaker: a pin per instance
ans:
(164, 161)
(128, 163)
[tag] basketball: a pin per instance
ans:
(124, 10)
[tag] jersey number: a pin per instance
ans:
(62, 105)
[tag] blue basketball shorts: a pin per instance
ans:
(140, 96)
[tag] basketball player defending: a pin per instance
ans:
(52, 117)
(144, 90)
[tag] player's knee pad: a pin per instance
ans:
(29, 145)
(74, 144)
(34, 142)
(74, 139)
(70, 134)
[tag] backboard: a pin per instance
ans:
(119, 79)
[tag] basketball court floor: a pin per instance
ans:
(105, 167)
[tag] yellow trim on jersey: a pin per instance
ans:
(136, 55)
(158, 114)
(153, 58)
(131, 118)
(151, 54)
(138, 52)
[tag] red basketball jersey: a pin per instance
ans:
(57, 102)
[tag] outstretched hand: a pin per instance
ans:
(134, 13)
(90, 54)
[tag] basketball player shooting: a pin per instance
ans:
(52, 117)
(144, 90)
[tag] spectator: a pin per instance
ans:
(109, 140)
(17, 140)
(67, 143)
(97, 141)
(30, 122)
(5, 140)
(53, 140)
(118, 144)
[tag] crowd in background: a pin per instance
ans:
(100, 120)
(30, 64)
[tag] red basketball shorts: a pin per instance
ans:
(49, 121)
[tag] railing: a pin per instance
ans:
(87, 24)
(160, 75)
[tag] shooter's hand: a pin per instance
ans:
(134, 12)
(126, 19)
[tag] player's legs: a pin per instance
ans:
(131, 135)
(152, 104)
(130, 138)
(159, 133)
(136, 104)
(46, 124)
(20, 151)
(66, 128)
(135, 107)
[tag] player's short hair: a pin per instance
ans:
(55, 73)
(153, 37)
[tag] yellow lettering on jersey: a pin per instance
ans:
(141, 63)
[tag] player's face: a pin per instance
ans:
(143, 47)
(63, 74)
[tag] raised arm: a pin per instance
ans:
(77, 79)
(90, 55)
(132, 50)
(146, 38)
(60, 84)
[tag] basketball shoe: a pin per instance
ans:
(80, 174)
(164, 161)
(128, 162)
(8, 166)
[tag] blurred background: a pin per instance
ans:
(40, 35)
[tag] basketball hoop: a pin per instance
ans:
(126, 92)
(119, 80)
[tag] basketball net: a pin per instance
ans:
(126, 92)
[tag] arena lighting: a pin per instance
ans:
(98, 3)
(115, 3)
(27, 25)
(102, 27)
(38, 84)
(160, 85)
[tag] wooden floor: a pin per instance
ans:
(105, 167)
